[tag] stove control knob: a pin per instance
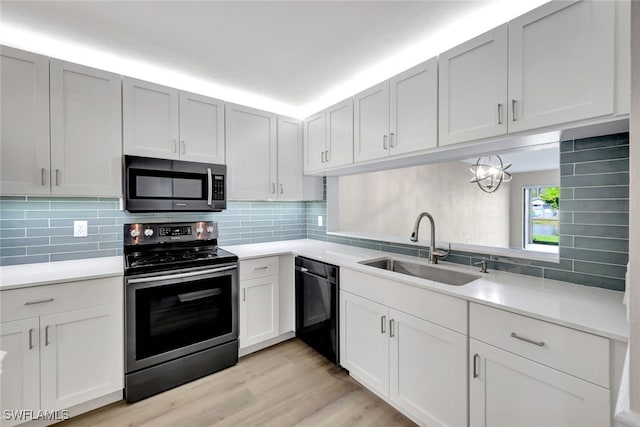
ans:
(199, 230)
(209, 229)
(135, 233)
(148, 232)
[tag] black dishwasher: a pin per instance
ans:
(317, 306)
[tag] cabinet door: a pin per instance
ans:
(259, 310)
(473, 89)
(314, 142)
(251, 153)
(414, 109)
(24, 143)
(201, 128)
(150, 119)
(561, 64)
(82, 355)
(340, 134)
(290, 181)
(506, 390)
(86, 131)
(428, 371)
(371, 123)
(364, 342)
(20, 378)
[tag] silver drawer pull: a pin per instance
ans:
(41, 301)
(383, 324)
(530, 341)
(30, 338)
(261, 268)
(476, 357)
(392, 332)
(46, 335)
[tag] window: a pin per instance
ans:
(540, 218)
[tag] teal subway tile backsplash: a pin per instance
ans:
(40, 229)
(594, 222)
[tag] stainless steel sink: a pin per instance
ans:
(449, 277)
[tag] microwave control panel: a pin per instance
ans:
(218, 187)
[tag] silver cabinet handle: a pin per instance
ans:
(209, 187)
(384, 142)
(244, 294)
(281, 189)
(57, 176)
(476, 359)
(383, 324)
(42, 172)
(391, 139)
(392, 332)
(530, 341)
(260, 268)
(184, 147)
(273, 187)
(326, 156)
(46, 335)
(40, 301)
(175, 145)
(513, 110)
(30, 338)
(499, 113)
(322, 156)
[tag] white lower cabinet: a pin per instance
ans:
(507, 390)
(20, 380)
(64, 344)
(418, 366)
(527, 372)
(259, 300)
(79, 360)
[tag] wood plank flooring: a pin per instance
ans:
(285, 385)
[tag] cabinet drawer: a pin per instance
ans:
(258, 267)
(434, 307)
(577, 353)
(49, 299)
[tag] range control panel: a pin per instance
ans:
(144, 234)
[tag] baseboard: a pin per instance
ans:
(264, 344)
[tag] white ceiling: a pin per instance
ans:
(532, 159)
(290, 57)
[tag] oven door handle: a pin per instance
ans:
(181, 275)
(194, 296)
(209, 187)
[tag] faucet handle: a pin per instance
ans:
(441, 253)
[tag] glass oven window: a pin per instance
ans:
(175, 316)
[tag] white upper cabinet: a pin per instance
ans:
(86, 131)
(473, 89)
(251, 153)
(24, 144)
(414, 109)
(166, 123)
(329, 137)
(290, 169)
(201, 128)
(397, 116)
(150, 119)
(562, 64)
(371, 123)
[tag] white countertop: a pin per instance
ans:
(46, 273)
(590, 309)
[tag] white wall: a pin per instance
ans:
(388, 202)
(519, 181)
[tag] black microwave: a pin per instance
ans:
(161, 185)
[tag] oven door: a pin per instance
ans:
(169, 315)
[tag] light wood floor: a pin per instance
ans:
(285, 385)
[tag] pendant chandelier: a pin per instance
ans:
(489, 172)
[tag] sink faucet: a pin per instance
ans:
(434, 253)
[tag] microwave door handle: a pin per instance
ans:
(209, 187)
